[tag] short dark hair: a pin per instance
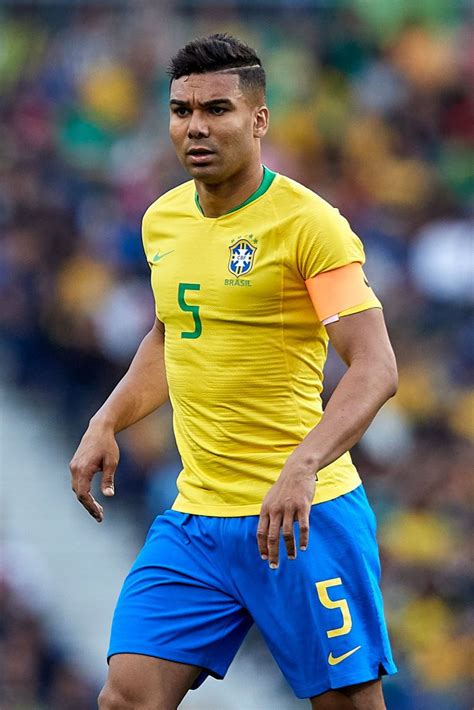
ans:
(220, 52)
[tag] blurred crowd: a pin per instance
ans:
(372, 107)
(34, 671)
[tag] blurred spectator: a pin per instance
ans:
(34, 673)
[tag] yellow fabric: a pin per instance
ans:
(375, 303)
(244, 352)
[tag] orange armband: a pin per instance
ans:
(340, 292)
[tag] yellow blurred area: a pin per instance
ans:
(418, 537)
(418, 394)
(461, 416)
(82, 284)
(440, 656)
(398, 182)
(368, 137)
(444, 663)
(423, 622)
(297, 132)
(370, 153)
(111, 94)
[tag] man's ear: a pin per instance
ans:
(261, 121)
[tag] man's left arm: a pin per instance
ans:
(362, 341)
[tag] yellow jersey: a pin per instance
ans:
(244, 349)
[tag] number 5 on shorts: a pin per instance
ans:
(341, 604)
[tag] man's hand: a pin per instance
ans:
(98, 451)
(289, 499)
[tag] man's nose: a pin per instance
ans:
(198, 127)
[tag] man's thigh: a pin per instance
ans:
(139, 682)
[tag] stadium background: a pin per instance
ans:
(371, 108)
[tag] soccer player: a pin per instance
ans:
(252, 274)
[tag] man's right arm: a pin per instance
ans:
(142, 390)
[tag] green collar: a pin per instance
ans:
(268, 178)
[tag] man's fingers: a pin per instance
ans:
(262, 532)
(273, 540)
(91, 505)
(94, 455)
(303, 523)
(81, 485)
(289, 534)
(108, 473)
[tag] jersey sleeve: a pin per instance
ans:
(330, 258)
(326, 242)
(146, 237)
(148, 249)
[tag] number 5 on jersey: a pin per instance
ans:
(190, 308)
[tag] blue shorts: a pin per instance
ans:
(199, 584)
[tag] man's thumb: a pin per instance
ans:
(108, 472)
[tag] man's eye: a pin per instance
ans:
(217, 110)
(181, 111)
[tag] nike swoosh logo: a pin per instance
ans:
(334, 660)
(159, 256)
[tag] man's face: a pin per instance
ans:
(214, 126)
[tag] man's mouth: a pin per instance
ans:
(200, 151)
(200, 156)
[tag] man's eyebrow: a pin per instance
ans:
(213, 102)
(205, 104)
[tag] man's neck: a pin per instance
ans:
(216, 200)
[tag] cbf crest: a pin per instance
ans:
(241, 258)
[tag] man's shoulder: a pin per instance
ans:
(290, 192)
(175, 200)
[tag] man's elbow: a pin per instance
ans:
(389, 376)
